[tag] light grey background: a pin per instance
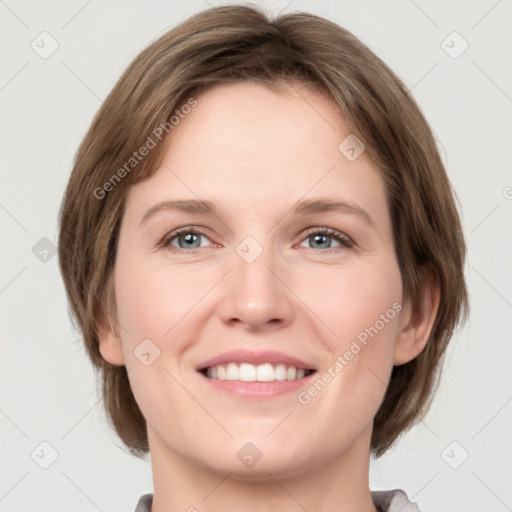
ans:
(47, 386)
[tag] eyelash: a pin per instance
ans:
(344, 240)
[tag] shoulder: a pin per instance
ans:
(395, 500)
(387, 501)
(144, 504)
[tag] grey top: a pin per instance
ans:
(386, 501)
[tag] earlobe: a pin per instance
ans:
(416, 324)
(109, 340)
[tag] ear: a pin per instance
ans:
(416, 324)
(109, 339)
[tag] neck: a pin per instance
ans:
(336, 485)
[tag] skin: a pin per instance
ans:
(255, 152)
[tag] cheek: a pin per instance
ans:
(362, 306)
(351, 301)
(370, 330)
(152, 302)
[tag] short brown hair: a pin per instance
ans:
(233, 43)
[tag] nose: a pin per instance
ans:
(257, 294)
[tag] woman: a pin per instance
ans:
(260, 245)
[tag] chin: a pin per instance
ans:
(263, 471)
(247, 461)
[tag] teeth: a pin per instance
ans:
(265, 373)
(280, 372)
(232, 372)
(247, 372)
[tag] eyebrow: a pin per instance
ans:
(303, 207)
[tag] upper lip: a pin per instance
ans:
(256, 358)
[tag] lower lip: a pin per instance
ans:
(257, 389)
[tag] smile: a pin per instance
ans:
(247, 372)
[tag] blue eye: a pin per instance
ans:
(189, 240)
(322, 235)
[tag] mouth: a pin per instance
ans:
(247, 372)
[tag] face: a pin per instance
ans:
(269, 324)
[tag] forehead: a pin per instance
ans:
(246, 144)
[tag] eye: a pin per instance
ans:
(321, 236)
(186, 238)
